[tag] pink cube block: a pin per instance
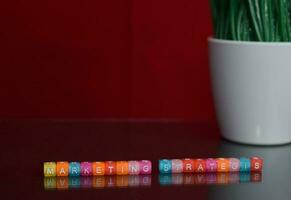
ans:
(211, 165)
(145, 167)
(133, 168)
(86, 169)
(234, 165)
(177, 166)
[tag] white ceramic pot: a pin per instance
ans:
(251, 84)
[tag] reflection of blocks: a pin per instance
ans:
(74, 169)
(256, 177)
(122, 181)
(165, 179)
(74, 182)
(86, 182)
(165, 166)
(177, 179)
(133, 181)
(245, 165)
(222, 178)
(177, 166)
(245, 177)
(50, 183)
(99, 182)
(62, 183)
(145, 180)
(49, 169)
(62, 168)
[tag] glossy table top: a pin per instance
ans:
(25, 145)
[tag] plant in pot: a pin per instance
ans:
(250, 61)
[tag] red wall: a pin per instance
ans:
(105, 59)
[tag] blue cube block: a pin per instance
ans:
(74, 169)
(165, 166)
(245, 165)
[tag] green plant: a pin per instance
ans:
(252, 20)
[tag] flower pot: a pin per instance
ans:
(251, 84)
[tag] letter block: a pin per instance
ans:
(256, 164)
(165, 166)
(62, 168)
(49, 169)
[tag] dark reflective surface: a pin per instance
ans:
(25, 145)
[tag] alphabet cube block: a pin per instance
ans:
(98, 168)
(165, 166)
(177, 166)
(245, 165)
(49, 169)
(74, 169)
(110, 168)
(62, 168)
(199, 165)
(133, 168)
(188, 165)
(234, 165)
(145, 167)
(222, 165)
(256, 164)
(122, 168)
(86, 169)
(211, 165)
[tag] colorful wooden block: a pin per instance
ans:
(188, 165)
(62, 168)
(110, 168)
(122, 168)
(86, 169)
(133, 168)
(49, 169)
(245, 165)
(165, 166)
(211, 165)
(74, 169)
(145, 167)
(256, 164)
(222, 164)
(234, 165)
(98, 168)
(199, 166)
(177, 166)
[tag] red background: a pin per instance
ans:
(105, 59)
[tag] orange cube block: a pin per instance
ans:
(98, 168)
(256, 164)
(223, 165)
(188, 165)
(122, 168)
(62, 168)
(199, 166)
(110, 168)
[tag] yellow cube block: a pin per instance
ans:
(49, 169)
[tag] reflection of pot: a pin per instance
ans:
(276, 174)
(251, 88)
